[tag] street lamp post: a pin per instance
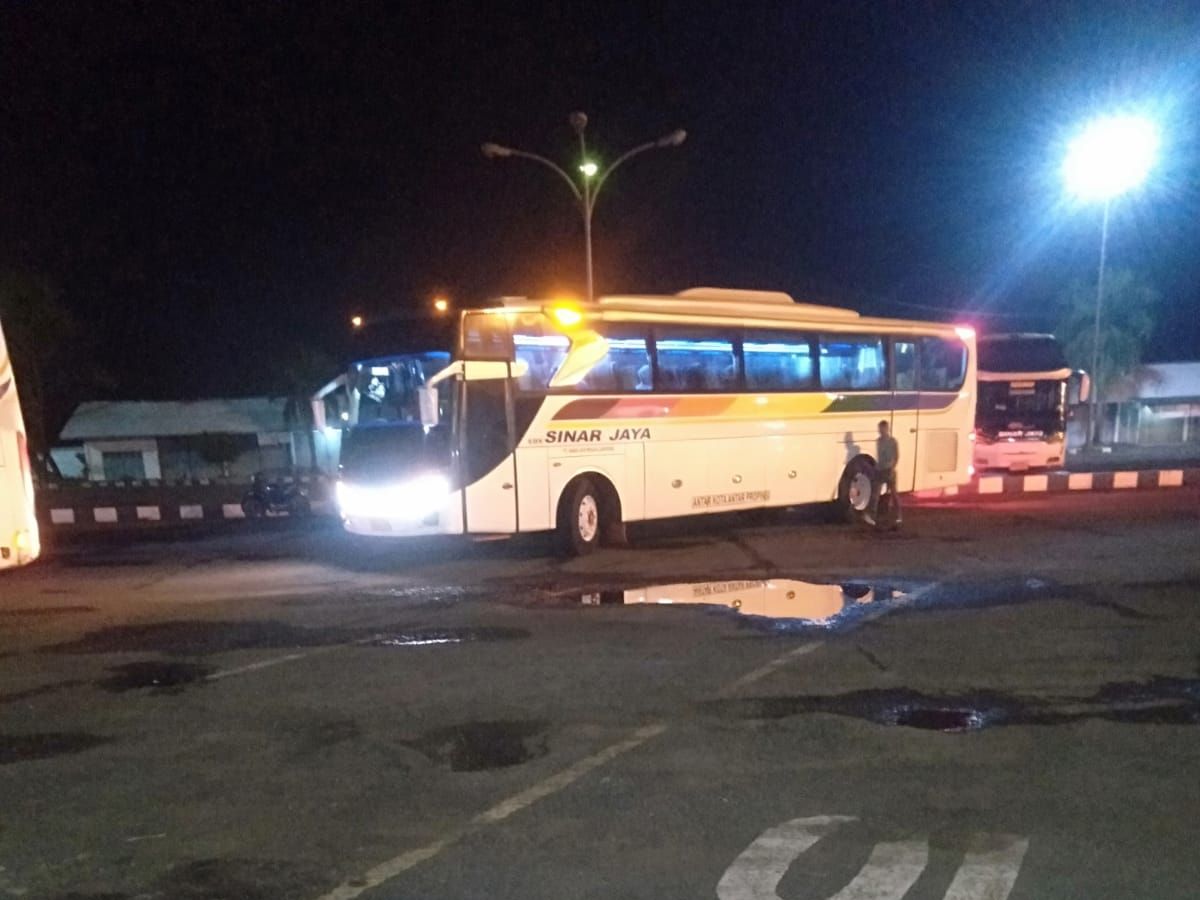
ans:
(592, 178)
(1109, 158)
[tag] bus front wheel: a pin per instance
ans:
(854, 490)
(580, 518)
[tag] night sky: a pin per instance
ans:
(208, 183)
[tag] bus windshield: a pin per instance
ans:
(385, 389)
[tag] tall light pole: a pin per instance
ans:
(1109, 157)
(592, 179)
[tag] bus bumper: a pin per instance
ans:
(1018, 456)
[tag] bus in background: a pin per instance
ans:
(1025, 391)
(578, 418)
(19, 541)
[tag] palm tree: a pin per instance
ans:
(1127, 322)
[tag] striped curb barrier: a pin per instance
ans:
(1006, 485)
(145, 515)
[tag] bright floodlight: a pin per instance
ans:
(589, 169)
(1110, 156)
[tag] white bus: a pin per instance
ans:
(582, 417)
(1025, 389)
(18, 521)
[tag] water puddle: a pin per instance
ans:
(786, 604)
(479, 746)
(1159, 701)
(424, 637)
(15, 748)
(161, 677)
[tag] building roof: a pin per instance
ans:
(171, 418)
(1158, 381)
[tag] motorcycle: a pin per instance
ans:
(268, 497)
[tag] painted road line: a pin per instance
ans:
(757, 871)
(149, 514)
(1079, 481)
(1036, 483)
(764, 670)
(62, 517)
(889, 872)
(990, 868)
(992, 484)
(566, 777)
(105, 514)
(1125, 480)
(1170, 478)
(400, 864)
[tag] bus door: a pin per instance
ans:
(906, 403)
(487, 468)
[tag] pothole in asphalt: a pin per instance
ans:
(42, 612)
(15, 748)
(478, 746)
(1159, 701)
(939, 718)
(199, 638)
(163, 677)
(424, 637)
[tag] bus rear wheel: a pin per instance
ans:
(580, 519)
(854, 490)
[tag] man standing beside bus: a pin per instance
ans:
(887, 455)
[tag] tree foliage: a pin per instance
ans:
(1127, 320)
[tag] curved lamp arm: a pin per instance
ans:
(674, 139)
(493, 151)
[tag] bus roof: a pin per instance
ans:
(725, 303)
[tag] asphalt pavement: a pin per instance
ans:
(997, 700)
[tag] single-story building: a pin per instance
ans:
(171, 440)
(1159, 404)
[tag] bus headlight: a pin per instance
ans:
(411, 500)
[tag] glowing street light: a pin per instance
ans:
(441, 305)
(1110, 157)
(356, 321)
(593, 179)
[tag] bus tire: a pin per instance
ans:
(854, 490)
(580, 518)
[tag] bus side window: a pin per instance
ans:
(626, 366)
(695, 360)
(904, 365)
(943, 364)
(778, 361)
(854, 362)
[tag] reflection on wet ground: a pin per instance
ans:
(423, 637)
(786, 604)
(1159, 701)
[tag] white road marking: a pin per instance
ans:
(397, 865)
(267, 663)
(764, 670)
(388, 870)
(989, 870)
(888, 874)
(759, 868)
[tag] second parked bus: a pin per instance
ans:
(581, 417)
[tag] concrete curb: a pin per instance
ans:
(1067, 482)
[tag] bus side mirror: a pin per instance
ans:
(1080, 388)
(427, 397)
